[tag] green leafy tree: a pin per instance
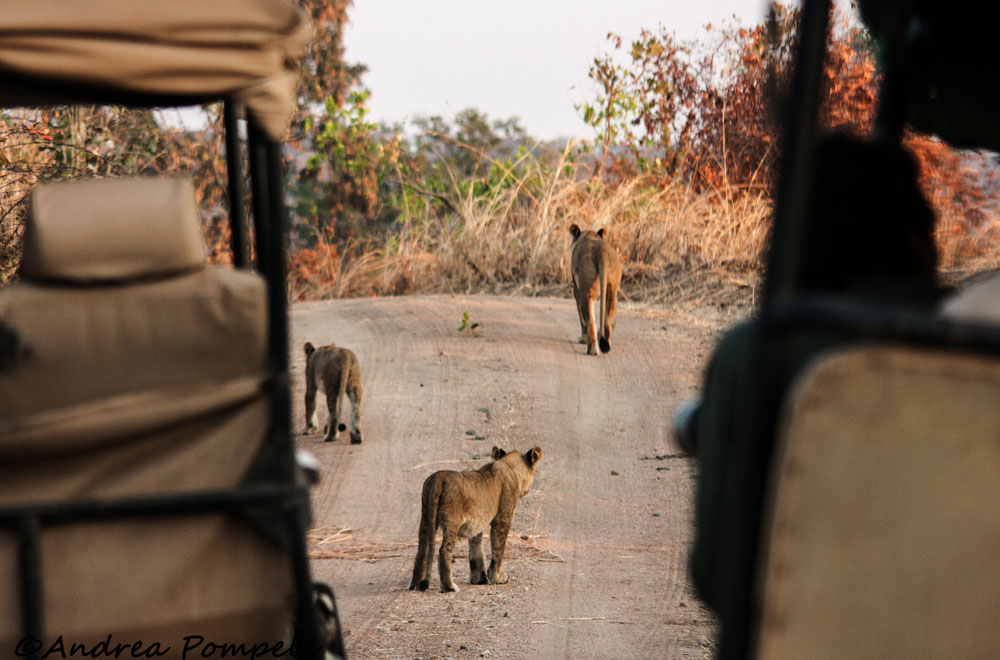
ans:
(467, 142)
(473, 156)
(337, 189)
(643, 104)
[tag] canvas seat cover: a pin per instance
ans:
(246, 49)
(885, 531)
(150, 382)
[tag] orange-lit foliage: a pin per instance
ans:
(704, 112)
(961, 188)
(737, 138)
(312, 271)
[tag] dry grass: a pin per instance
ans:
(678, 246)
(337, 542)
(675, 244)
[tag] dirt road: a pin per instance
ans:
(597, 554)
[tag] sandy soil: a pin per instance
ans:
(597, 555)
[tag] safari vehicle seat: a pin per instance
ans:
(139, 371)
(884, 530)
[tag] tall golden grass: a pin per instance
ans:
(675, 244)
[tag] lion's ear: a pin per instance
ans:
(533, 455)
(600, 232)
(498, 453)
(573, 229)
(308, 348)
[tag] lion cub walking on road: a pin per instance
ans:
(462, 504)
(338, 369)
(597, 272)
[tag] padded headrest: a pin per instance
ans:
(105, 230)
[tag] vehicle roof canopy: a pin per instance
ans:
(151, 52)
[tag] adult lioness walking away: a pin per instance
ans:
(597, 272)
(338, 369)
(462, 504)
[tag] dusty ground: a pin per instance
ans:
(598, 550)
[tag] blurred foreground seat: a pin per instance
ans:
(139, 371)
(884, 537)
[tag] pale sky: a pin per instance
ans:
(524, 58)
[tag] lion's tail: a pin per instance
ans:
(602, 270)
(343, 390)
(429, 505)
(430, 499)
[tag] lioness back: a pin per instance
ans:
(597, 274)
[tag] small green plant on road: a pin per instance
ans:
(468, 325)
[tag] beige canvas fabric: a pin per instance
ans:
(248, 48)
(138, 388)
(84, 344)
(885, 532)
(88, 344)
(112, 229)
(155, 577)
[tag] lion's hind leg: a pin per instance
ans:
(608, 323)
(477, 560)
(499, 529)
(354, 395)
(310, 426)
(444, 560)
(590, 326)
(580, 312)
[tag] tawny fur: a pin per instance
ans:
(462, 505)
(338, 370)
(597, 273)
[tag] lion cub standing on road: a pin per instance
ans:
(462, 504)
(597, 272)
(338, 369)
